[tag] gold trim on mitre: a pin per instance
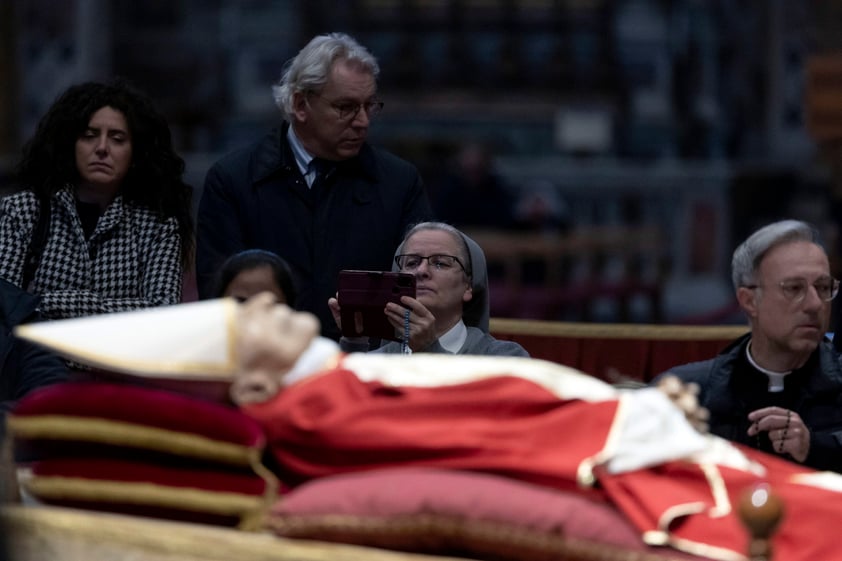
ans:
(195, 340)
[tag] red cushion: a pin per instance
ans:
(457, 513)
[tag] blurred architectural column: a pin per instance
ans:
(58, 44)
(8, 78)
(787, 52)
(823, 99)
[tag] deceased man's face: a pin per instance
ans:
(270, 339)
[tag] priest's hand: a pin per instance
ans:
(786, 429)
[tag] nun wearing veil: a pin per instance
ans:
(450, 312)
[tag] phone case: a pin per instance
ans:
(366, 293)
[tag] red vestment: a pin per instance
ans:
(335, 423)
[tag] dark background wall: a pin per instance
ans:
(694, 113)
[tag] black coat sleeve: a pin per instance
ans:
(29, 367)
(219, 234)
(825, 451)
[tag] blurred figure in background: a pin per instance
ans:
(474, 195)
(541, 209)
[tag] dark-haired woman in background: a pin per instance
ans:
(252, 271)
(102, 172)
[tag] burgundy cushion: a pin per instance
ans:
(458, 513)
(86, 418)
(175, 492)
(143, 450)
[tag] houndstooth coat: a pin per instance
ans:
(132, 260)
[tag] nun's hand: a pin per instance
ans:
(421, 322)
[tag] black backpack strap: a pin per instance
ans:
(37, 242)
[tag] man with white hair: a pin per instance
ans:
(779, 388)
(313, 190)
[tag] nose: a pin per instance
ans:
(812, 300)
(102, 144)
(361, 119)
(423, 269)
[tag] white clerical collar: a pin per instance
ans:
(455, 337)
(776, 379)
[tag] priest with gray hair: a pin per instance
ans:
(779, 387)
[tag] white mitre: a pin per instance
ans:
(195, 340)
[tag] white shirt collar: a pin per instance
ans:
(454, 338)
(301, 155)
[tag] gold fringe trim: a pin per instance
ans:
(479, 536)
(257, 521)
(103, 431)
(500, 326)
(146, 494)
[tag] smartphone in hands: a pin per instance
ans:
(362, 297)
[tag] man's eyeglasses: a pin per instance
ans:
(348, 110)
(796, 289)
(410, 262)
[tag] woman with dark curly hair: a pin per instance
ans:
(103, 220)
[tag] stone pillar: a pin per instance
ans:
(8, 84)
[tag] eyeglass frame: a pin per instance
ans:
(373, 107)
(427, 258)
(834, 288)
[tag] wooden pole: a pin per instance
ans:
(760, 511)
